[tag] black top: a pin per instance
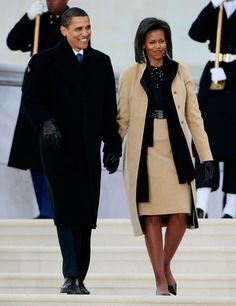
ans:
(155, 78)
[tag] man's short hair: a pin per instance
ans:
(69, 13)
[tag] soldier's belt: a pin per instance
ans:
(227, 57)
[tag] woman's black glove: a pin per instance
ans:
(111, 162)
(208, 170)
(51, 135)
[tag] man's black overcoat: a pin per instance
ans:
(218, 107)
(82, 100)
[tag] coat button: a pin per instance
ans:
(182, 122)
(175, 92)
(178, 106)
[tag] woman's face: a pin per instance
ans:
(155, 46)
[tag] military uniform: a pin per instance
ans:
(218, 107)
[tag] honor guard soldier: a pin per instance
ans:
(216, 25)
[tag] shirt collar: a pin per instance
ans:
(230, 7)
(76, 52)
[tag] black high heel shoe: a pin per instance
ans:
(173, 289)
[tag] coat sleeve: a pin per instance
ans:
(34, 91)
(204, 27)
(194, 118)
(111, 137)
(22, 35)
(123, 103)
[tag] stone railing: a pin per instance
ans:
(11, 75)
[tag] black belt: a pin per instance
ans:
(157, 114)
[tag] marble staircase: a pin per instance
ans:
(120, 271)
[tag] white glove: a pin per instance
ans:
(218, 74)
(217, 3)
(36, 9)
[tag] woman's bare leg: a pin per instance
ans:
(154, 243)
(175, 230)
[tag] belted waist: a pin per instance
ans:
(157, 114)
(227, 57)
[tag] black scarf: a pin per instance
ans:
(182, 158)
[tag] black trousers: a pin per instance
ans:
(75, 245)
(229, 176)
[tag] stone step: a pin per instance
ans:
(116, 300)
(120, 273)
(114, 232)
(119, 284)
(118, 259)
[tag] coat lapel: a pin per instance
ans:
(80, 76)
(141, 91)
(67, 65)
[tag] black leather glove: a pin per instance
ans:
(51, 135)
(208, 170)
(111, 162)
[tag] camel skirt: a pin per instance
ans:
(166, 195)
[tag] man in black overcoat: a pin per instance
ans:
(218, 107)
(70, 97)
(24, 152)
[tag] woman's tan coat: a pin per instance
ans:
(132, 107)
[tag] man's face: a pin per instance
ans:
(78, 32)
(56, 6)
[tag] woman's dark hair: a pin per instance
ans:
(71, 12)
(145, 26)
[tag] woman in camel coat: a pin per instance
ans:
(157, 109)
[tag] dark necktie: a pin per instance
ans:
(79, 57)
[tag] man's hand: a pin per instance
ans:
(36, 9)
(208, 170)
(51, 135)
(217, 3)
(111, 162)
(218, 74)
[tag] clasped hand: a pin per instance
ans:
(208, 170)
(111, 162)
(51, 135)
